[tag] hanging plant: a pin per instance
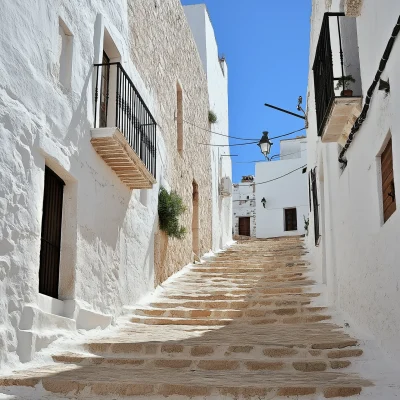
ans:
(170, 207)
(212, 117)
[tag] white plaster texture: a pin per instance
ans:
(217, 77)
(244, 197)
(358, 254)
(290, 191)
(107, 255)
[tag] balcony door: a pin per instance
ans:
(104, 90)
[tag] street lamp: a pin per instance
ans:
(265, 144)
(263, 202)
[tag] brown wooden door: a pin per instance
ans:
(388, 190)
(244, 226)
(51, 234)
(290, 219)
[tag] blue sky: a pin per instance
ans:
(266, 46)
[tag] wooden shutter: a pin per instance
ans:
(388, 189)
(51, 234)
(290, 219)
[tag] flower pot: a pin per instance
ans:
(347, 93)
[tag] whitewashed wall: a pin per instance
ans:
(217, 77)
(244, 196)
(290, 191)
(107, 255)
(358, 254)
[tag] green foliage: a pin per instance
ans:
(344, 82)
(212, 117)
(306, 224)
(170, 207)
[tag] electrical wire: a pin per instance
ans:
(287, 134)
(275, 155)
(239, 138)
(275, 179)
(226, 145)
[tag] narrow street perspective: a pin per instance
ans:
(198, 200)
(242, 325)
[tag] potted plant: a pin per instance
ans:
(344, 82)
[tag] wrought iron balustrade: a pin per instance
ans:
(336, 58)
(120, 105)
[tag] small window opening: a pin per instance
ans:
(65, 47)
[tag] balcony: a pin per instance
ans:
(124, 133)
(337, 63)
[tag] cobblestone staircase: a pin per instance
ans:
(239, 326)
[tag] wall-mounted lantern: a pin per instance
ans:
(265, 144)
(263, 202)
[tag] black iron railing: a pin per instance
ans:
(324, 77)
(120, 105)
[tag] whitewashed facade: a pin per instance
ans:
(216, 69)
(244, 207)
(110, 240)
(286, 199)
(354, 248)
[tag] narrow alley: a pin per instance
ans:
(241, 325)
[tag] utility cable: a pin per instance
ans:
(275, 155)
(275, 179)
(240, 138)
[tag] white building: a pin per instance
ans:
(282, 204)
(354, 224)
(84, 149)
(216, 70)
(244, 207)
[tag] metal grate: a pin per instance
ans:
(132, 117)
(51, 234)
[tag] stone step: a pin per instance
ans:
(243, 297)
(330, 350)
(306, 365)
(225, 313)
(232, 304)
(273, 319)
(97, 380)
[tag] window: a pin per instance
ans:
(65, 42)
(290, 219)
(179, 117)
(388, 189)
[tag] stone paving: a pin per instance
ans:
(241, 326)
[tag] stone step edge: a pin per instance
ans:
(294, 364)
(300, 309)
(193, 321)
(332, 350)
(102, 388)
